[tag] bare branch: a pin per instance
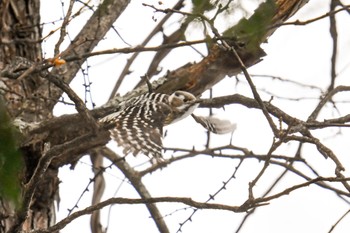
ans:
(302, 23)
(99, 188)
(324, 100)
(158, 28)
(334, 35)
(184, 200)
(339, 220)
(63, 31)
(135, 179)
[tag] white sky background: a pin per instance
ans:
(298, 53)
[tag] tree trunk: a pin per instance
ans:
(31, 97)
(20, 46)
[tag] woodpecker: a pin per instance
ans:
(138, 124)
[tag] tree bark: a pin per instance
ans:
(20, 46)
(32, 97)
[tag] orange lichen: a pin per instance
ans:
(57, 61)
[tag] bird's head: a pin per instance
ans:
(183, 103)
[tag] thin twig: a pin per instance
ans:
(158, 27)
(135, 49)
(339, 220)
(63, 28)
(324, 100)
(334, 35)
(302, 23)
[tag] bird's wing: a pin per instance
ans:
(138, 129)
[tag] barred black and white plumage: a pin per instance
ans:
(139, 124)
(215, 125)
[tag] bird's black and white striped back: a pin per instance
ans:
(138, 126)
